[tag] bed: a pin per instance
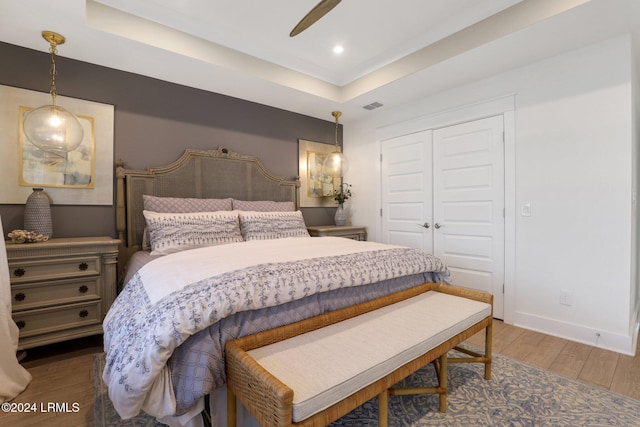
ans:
(216, 248)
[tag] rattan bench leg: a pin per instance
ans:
(231, 408)
(442, 382)
(383, 409)
(476, 357)
(440, 365)
(488, 344)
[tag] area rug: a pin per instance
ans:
(517, 395)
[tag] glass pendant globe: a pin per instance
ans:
(54, 129)
(335, 165)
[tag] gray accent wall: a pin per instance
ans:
(154, 122)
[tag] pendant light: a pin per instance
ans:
(336, 163)
(50, 127)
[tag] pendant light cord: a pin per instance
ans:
(337, 115)
(53, 72)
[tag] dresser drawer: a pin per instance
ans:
(29, 271)
(352, 236)
(346, 231)
(43, 294)
(45, 320)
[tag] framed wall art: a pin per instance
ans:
(81, 177)
(316, 188)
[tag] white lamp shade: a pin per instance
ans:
(335, 165)
(54, 129)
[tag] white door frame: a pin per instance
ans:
(504, 105)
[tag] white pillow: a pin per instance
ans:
(182, 205)
(272, 225)
(173, 232)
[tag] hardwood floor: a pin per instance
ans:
(62, 373)
(614, 371)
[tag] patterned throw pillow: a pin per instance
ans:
(263, 206)
(272, 225)
(173, 232)
(182, 204)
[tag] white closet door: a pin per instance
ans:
(468, 216)
(406, 191)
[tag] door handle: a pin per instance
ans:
(425, 225)
(436, 225)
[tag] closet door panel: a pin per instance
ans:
(468, 203)
(407, 190)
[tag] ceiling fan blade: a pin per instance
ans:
(315, 14)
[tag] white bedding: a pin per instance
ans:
(175, 296)
(165, 275)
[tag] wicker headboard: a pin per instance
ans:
(205, 174)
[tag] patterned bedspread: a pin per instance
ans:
(190, 303)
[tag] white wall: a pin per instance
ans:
(635, 85)
(573, 162)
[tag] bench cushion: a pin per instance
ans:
(325, 366)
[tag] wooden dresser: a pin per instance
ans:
(348, 231)
(61, 289)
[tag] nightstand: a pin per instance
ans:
(348, 231)
(61, 289)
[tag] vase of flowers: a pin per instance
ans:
(341, 195)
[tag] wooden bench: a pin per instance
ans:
(311, 373)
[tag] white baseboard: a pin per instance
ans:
(625, 344)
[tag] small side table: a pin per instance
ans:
(348, 231)
(62, 288)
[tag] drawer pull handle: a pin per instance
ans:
(83, 313)
(19, 272)
(83, 266)
(20, 296)
(21, 324)
(83, 289)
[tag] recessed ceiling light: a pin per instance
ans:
(338, 49)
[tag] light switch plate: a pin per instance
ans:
(525, 209)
